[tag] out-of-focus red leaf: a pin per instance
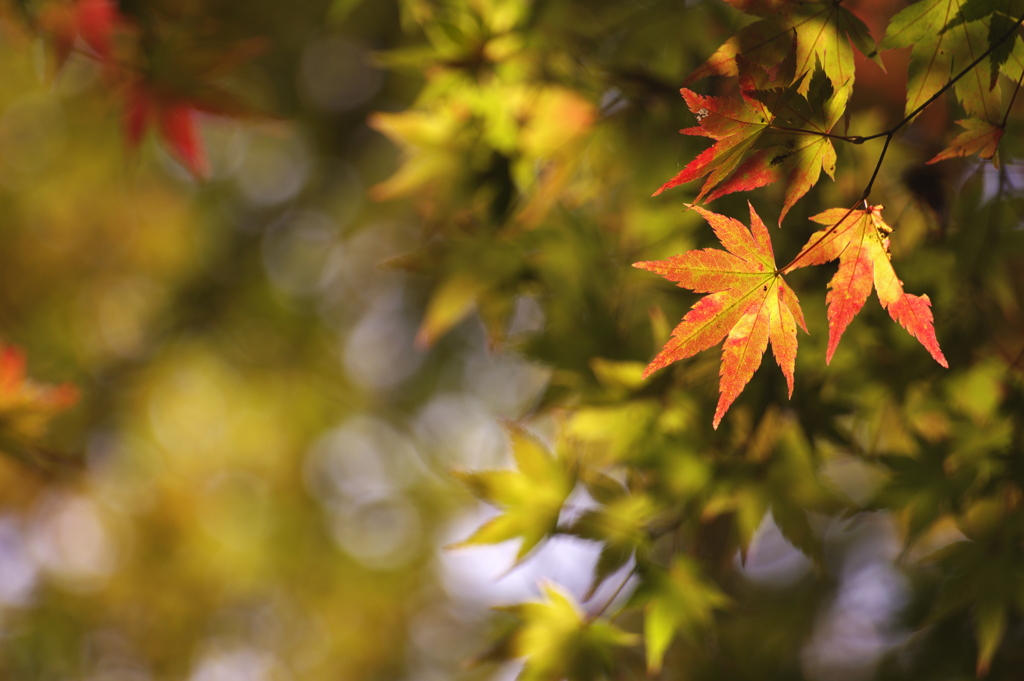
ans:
(176, 122)
(180, 130)
(25, 405)
(94, 21)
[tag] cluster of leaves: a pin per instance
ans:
(774, 134)
(752, 304)
(672, 504)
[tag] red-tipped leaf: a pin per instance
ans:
(859, 239)
(749, 306)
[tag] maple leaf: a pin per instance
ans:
(26, 406)
(823, 33)
(531, 497)
(860, 240)
(941, 45)
(750, 305)
(786, 132)
(979, 137)
(1002, 21)
(172, 95)
(677, 600)
(558, 641)
(94, 21)
(798, 158)
(176, 122)
(734, 124)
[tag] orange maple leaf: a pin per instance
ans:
(749, 305)
(860, 240)
(979, 137)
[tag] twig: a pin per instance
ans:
(611, 599)
(891, 132)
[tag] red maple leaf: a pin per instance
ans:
(94, 21)
(860, 240)
(176, 121)
(171, 96)
(733, 124)
(749, 305)
(787, 135)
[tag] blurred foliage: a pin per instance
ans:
(370, 244)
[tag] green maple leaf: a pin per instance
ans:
(983, 574)
(622, 526)
(941, 46)
(676, 601)
(1002, 18)
(531, 497)
(825, 33)
(559, 642)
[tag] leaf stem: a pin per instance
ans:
(615, 594)
(853, 139)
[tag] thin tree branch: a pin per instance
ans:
(1013, 97)
(800, 131)
(888, 135)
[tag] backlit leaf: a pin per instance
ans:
(559, 642)
(940, 47)
(25, 405)
(783, 135)
(859, 239)
(749, 305)
(825, 33)
(175, 122)
(979, 137)
(531, 497)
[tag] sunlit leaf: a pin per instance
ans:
(941, 47)
(859, 239)
(749, 305)
(558, 641)
(778, 134)
(530, 497)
